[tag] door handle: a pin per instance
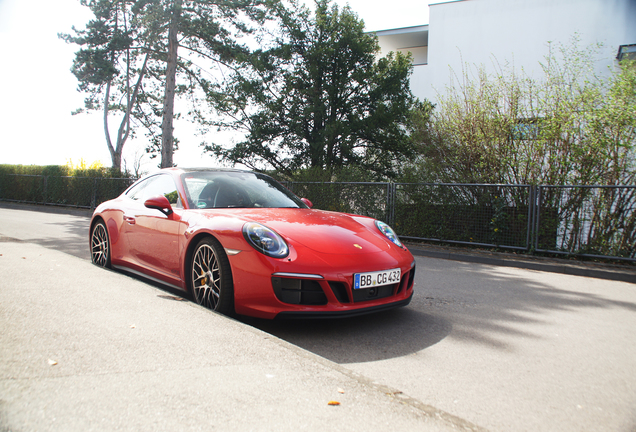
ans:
(129, 219)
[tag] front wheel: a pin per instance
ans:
(100, 245)
(211, 277)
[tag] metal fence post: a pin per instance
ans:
(390, 203)
(94, 195)
(44, 188)
(531, 215)
(537, 217)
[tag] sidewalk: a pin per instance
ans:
(86, 349)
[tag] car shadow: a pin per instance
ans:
(366, 338)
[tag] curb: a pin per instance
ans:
(609, 272)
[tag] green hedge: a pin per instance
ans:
(62, 171)
(61, 185)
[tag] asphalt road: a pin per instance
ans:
(502, 348)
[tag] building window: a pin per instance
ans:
(626, 52)
(526, 129)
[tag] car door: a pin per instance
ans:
(153, 237)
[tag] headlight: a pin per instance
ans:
(265, 240)
(388, 232)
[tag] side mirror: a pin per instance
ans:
(307, 202)
(160, 203)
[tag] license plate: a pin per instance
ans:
(374, 279)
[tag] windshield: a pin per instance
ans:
(230, 189)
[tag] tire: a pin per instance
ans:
(211, 277)
(100, 245)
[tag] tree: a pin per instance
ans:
(139, 40)
(207, 31)
(110, 69)
(317, 98)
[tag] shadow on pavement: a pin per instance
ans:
(58, 228)
(500, 307)
(473, 304)
(75, 240)
(380, 336)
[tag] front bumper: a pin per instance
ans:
(344, 313)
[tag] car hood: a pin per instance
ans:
(321, 231)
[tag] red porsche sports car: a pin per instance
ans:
(240, 242)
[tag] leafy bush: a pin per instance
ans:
(567, 128)
(70, 185)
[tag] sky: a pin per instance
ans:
(38, 91)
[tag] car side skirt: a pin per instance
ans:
(146, 276)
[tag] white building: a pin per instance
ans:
(482, 32)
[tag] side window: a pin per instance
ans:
(156, 186)
(136, 191)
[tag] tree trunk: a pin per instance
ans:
(124, 127)
(167, 138)
(115, 155)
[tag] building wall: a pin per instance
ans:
(487, 32)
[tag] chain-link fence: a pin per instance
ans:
(368, 199)
(597, 221)
(478, 214)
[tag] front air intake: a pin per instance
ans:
(299, 291)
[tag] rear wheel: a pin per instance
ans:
(100, 245)
(211, 277)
